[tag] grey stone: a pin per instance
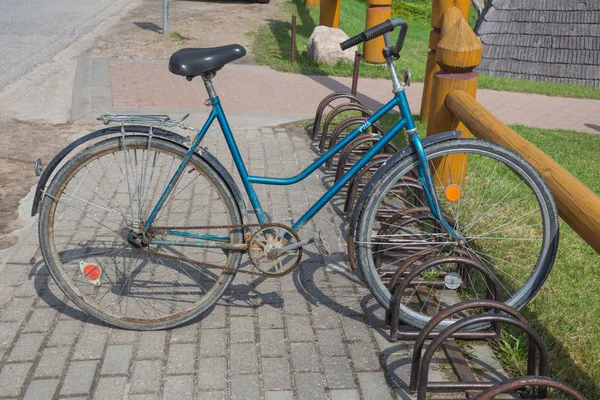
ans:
(279, 395)
(242, 329)
(212, 395)
(17, 309)
(338, 372)
(345, 394)
(276, 373)
(90, 345)
(270, 317)
(122, 336)
(245, 387)
(78, 380)
(243, 358)
(355, 328)
(152, 345)
(330, 343)
(213, 343)
(364, 356)
(216, 319)
(53, 362)
(41, 320)
(299, 329)
(178, 387)
(146, 376)
(27, 347)
(304, 357)
(185, 334)
(43, 389)
(272, 343)
(182, 358)
(212, 373)
(374, 386)
(8, 331)
(12, 378)
(310, 386)
(117, 359)
(65, 333)
(110, 388)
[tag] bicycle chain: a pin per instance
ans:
(208, 265)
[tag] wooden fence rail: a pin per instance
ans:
(577, 204)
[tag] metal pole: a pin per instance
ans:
(355, 72)
(165, 17)
(293, 47)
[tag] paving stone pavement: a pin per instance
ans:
(122, 85)
(316, 333)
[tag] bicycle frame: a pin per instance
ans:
(406, 121)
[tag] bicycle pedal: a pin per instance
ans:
(321, 248)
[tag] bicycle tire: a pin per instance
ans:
(507, 166)
(71, 227)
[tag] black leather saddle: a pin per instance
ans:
(194, 62)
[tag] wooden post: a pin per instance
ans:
(458, 53)
(577, 204)
(314, 3)
(329, 14)
(437, 11)
(377, 12)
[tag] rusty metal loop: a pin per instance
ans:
(354, 145)
(423, 370)
(494, 292)
(376, 129)
(323, 104)
(353, 186)
(337, 111)
(528, 381)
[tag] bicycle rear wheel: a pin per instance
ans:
(492, 197)
(106, 192)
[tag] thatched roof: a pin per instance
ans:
(547, 40)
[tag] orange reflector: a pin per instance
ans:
(92, 272)
(452, 193)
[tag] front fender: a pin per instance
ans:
(136, 129)
(405, 152)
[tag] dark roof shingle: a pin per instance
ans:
(547, 40)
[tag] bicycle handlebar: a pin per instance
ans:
(378, 30)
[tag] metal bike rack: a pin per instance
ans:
(321, 109)
(339, 130)
(357, 146)
(419, 379)
(358, 182)
(528, 381)
(342, 108)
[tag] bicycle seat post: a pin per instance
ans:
(207, 78)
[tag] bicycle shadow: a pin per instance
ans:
(240, 295)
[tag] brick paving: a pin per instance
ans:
(261, 90)
(314, 334)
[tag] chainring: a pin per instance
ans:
(269, 238)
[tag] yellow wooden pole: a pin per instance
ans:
(314, 3)
(329, 14)
(577, 204)
(377, 12)
(437, 10)
(458, 53)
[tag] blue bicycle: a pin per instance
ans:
(145, 229)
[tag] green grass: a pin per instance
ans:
(272, 43)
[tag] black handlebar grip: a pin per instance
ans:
(378, 30)
(353, 41)
(402, 35)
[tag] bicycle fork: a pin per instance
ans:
(426, 180)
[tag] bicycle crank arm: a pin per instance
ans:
(278, 252)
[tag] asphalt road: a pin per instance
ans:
(32, 32)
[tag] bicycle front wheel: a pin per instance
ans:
(492, 197)
(103, 195)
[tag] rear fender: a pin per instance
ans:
(137, 130)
